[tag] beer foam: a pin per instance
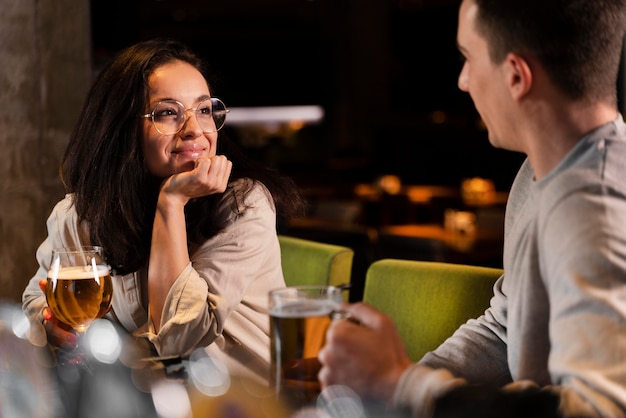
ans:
(304, 309)
(79, 272)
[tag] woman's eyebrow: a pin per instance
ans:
(156, 100)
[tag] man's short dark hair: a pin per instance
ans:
(578, 42)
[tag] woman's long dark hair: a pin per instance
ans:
(104, 167)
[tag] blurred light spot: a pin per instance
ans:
(340, 402)
(103, 341)
(19, 322)
(310, 412)
(438, 117)
(389, 183)
(209, 375)
(275, 114)
(25, 387)
(171, 400)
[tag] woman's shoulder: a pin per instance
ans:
(64, 208)
(64, 220)
(245, 193)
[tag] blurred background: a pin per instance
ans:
(390, 139)
(383, 72)
(356, 100)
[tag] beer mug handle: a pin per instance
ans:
(341, 314)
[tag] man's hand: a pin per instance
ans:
(369, 357)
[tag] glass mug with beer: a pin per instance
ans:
(299, 317)
(79, 287)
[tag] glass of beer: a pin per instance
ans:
(79, 287)
(299, 317)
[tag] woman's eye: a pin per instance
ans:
(204, 110)
(163, 113)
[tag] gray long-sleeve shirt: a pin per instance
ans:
(558, 316)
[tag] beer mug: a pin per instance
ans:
(299, 318)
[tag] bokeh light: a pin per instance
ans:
(209, 374)
(103, 341)
(171, 400)
(340, 402)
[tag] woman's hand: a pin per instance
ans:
(209, 176)
(59, 334)
(369, 357)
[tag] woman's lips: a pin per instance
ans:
(190, 152)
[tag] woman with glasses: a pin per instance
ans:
(187, 223)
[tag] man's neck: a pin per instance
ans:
(559, 129)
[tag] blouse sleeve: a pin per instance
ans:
(224, 288)
(63, 231)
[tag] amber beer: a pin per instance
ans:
(299, 317)
(79, 295)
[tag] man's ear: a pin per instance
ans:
(519, 75)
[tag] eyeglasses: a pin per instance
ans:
(169, 116)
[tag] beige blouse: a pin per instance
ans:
(217, 303)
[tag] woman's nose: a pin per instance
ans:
(191, 127)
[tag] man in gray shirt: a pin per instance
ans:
(542, 75)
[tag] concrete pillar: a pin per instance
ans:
(45, 71)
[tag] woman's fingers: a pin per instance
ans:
(214, 172)
(59, 334)
(209, 176)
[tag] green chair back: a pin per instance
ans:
(428, 300)
(307, 262)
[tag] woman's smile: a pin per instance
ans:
(189, 151)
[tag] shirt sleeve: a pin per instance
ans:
(63, 231)
(583, 263)
(420, 387)
(475, 353)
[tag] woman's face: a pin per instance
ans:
(166, 155)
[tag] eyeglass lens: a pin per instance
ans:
(169, 116)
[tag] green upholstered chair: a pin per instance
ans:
(428, 300)
(307, 262)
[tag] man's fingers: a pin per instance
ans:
(366, 315)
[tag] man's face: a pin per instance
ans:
(482, 79)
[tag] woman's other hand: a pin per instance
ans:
(59, 334)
